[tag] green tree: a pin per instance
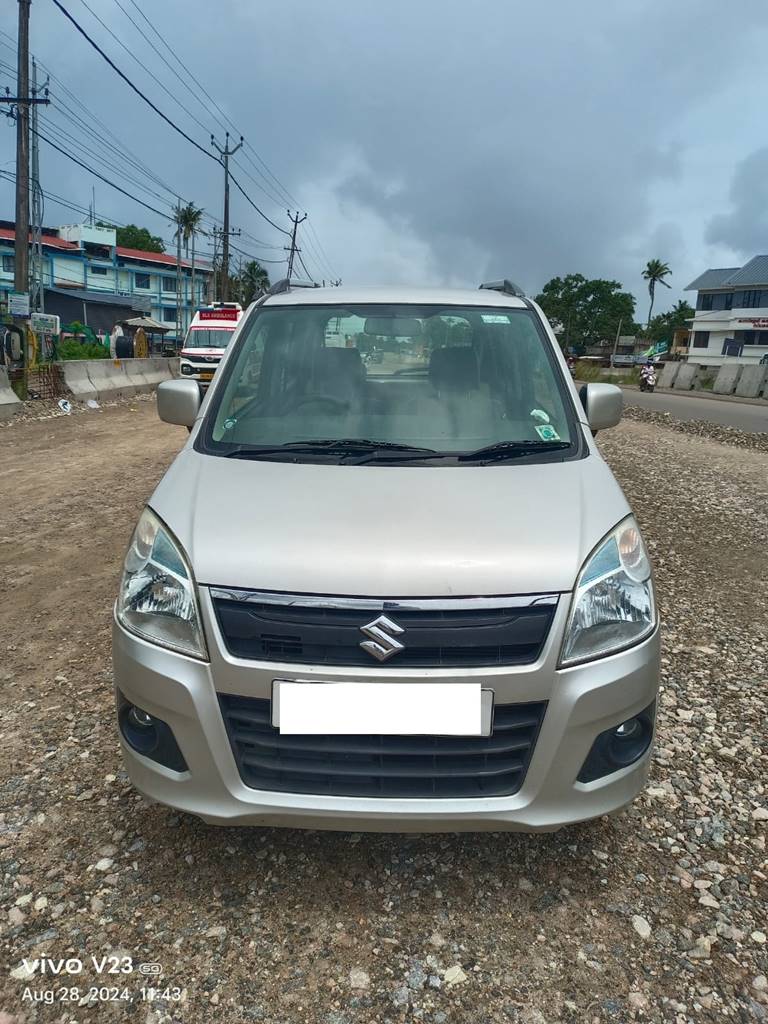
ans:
(587, 311)
(250, 282)
(133, 237)
(189, 219)
(654, 273)
(663, 326)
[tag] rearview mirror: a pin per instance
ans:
(178, 401)
(603, 404)
(392, 327)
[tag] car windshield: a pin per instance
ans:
(205, 337)
(440, 380)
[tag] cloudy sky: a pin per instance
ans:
(430, 141)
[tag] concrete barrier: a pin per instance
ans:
(109, 378)
(77, 379)
(727, 379)
(10, 403)
(103, 379)
(137, 374)
(687, 376)
(669, 372)
(752, 381)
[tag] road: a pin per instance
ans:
(655, 916)
(730, 413)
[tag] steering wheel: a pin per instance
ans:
(338, 403)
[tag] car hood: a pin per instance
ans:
(388, 531)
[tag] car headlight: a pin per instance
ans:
(613, 605)
(157, 598)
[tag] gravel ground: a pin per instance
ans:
(657, 914)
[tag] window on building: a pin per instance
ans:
(169, 314)
(98, 270)
(752, 299)
(728, 304)
(749, 337)
(142, 280)
(700, 339)
(706, 301)
(169, 284)
(9, 264)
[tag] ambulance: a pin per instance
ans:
(209, 334)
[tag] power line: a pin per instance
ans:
(64, 137)
(223, 113)
(101, 177)
(128, 82)
(157, 110)
(301, 261)
(151, 73)
(261, 213)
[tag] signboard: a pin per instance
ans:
(656, 350)
(761, 322)
(45, 323)
(219, 314)
(18, 303)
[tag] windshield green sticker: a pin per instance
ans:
(547, 432)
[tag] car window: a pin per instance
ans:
(449, 379)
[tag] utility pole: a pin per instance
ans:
(225, 154)
(219, 290)
(179, 327)
(616, 342)
(295, 221)
(21, 274)
(37, 285)
(22, 102)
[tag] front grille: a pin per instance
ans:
(473, 634)
(382, 766)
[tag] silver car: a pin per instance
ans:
(401, 593)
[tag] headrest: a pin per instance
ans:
(454, 369)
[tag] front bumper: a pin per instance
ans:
(583, 701)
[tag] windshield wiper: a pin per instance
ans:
(512, 450)
(326, 446)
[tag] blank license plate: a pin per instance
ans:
(381, 709)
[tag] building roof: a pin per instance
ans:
(53, 241)
(107, 298)
(159, 257)
(400, 296)
(716, 278)
(754, 273)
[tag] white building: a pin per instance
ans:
(731, 322)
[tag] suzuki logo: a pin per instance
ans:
(382, 633)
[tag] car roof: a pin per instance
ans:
(399, 296)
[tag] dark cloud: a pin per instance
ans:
(433, 140)
(745, 227)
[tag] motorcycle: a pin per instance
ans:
(647, 379)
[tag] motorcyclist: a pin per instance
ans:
(648, 376)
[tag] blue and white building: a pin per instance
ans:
(731, 322)
(88, 277)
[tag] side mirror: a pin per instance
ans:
(603, 404)
(178, 401)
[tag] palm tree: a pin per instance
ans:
(253, 281)
(191, 217)
(654, 273)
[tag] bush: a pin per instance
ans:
(73, 348)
